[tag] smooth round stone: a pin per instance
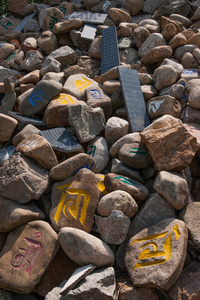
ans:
(188, 33)
(153, 40)
(185, 21)
(195, 39)
(164, 76)
(148, 91)
(123, 30)
(47, 41)
(180, 51)
(140, 34)
(175, 90)
(118, 15)
(193, 89)
(157, 54)
(127, 139)
(115, 129)
(121, 112)
(66, 26)
(134, 6)
(177, 41)
(114, 228)
(115, 182)
(32, 77)
(93, 250)
(125, 42)
(189, 61)
(98, 149)
(196, 54)
(29, 44)
(95, 48)
(135, 155)
(120, 168)
(173, 187)
(117, 200)
(71, 166)
(5, 50)
(55, 76)
(110, 86)
(163, 105)
(169, 31)
(144, 78)
(150, 24)
(7, 127)
(177, 66)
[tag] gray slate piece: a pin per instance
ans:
(89, 17)
(109, 49)
(22, 24)
(134, 99)
(26, 120)
(61, 140)
(89, 32)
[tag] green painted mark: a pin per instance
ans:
(126, 180)
(138, 151)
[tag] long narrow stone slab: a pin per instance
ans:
(89, 17)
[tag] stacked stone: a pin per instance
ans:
(118, 218)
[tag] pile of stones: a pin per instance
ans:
(113, 213)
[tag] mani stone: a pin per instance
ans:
(22, 179)
(65, 55)
(120, 168)
(74, 201)
(26, 255)
(25, 133)
(117, 200)
(173, 187)
(44, 91)
(32, 61)
(49, 17)
(163, 105)
(7, 127)
(56, 113)
(93, 250)
(38, 148)
(190, 215)
(87, 122)
(113, 229)
(115, 182)
(77, 84)
(135, 155)
(15, 214)
(156, 255)
(71, 166)
(154, 210)
(99, 284)
(98, 149)
(172, 148)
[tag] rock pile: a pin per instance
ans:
(94, 209)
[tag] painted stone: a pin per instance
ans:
(49, 17)
(165, 145)
(156, 255)
(32, 61)
(56, 113)
(74, 201)
(120, 168)
(26, 255)
(71, 166)
(115, 182)
(93, 250)
(44, 91)
(76, 85)
(22, 179)
(16, 214)
(25, 133)
(98, 149)
(173, 187)
(38, 148)
(101, 186)
(135, 155)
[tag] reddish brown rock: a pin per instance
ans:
(171, 147)
(7, 127)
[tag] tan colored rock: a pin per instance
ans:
(32, 77)
(47, 41)
(140, 34)
(38, 148)
(177, 147)
(49, 17)
(177, 41)
(134, 6)
(164, 76)
(181, 19)
(95, 48)
(25, 133)
(71, 166)
(7, 127)
(66, 26)
(148, 91)
(195, 39)
(124, 31)
(159, 268)
(117, 200)
(169, 31)
(93, 250)
(157, 54)
(189, 61)
(74, 201)
(110, 86)
(118, 15)
(163, 105)
(115, 129)
(26, 255)
(5, 50)
(17, 7)
(153, 40)
(66, 8)
(192, 88)
(145, 79)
